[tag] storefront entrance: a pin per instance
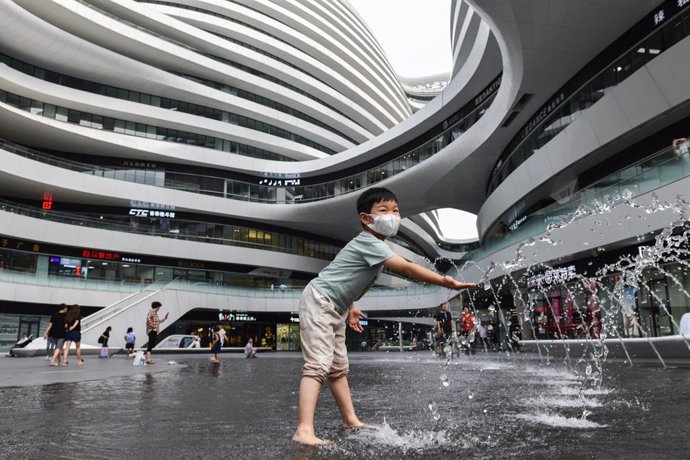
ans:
(288, 337)
(654, 307)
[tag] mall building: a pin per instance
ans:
(208, 154)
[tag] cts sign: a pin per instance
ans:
(137, 212)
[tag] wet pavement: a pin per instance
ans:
(489, 405)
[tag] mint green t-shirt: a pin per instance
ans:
(353, 271)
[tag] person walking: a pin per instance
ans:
(73, 328)
(130, 338)
(153, 325)
(55, 331)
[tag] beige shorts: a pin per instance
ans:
(322, 332)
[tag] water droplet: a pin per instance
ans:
(585, 244)
(470, 396)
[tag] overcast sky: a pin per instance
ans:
(415, 35)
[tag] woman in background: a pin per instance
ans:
(73, 328)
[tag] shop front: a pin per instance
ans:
(566, 303)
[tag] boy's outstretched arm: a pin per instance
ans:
(416, 271)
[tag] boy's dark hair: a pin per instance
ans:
(129, 329)
(371, 196)
(156, 304)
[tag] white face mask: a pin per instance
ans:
(385, 224)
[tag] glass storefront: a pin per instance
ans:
(288, 337)
(580, 309)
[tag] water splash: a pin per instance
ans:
(560, 421)
(417, 441)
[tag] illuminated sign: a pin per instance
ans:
(659, 17)
(280, 179)
(100, 255)
(139, 164)
(553, 276)
(9, 243)
(47, 201)
(517, 223)
(279, 182)
(225, 316)
(137, 212)
(190, 264)
(133, 260)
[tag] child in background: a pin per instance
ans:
(328, 300)
(130, 338)
(216, 344)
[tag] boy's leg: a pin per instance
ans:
(317, 319)
(341, 393)
(337, 380)
(308, 397)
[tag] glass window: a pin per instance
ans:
(97, 121)
(73, 116)
(61, 114)
(85, 120)
(24, 104)
(49, 110)
(36, 107)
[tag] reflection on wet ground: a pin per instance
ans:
(482, 406)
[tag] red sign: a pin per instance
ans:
(101, 255)
(47, 201)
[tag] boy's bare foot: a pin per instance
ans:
(310, 439)
(359, 425)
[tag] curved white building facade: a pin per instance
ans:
(223, 143)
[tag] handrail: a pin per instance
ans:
(112, 307)
(108, 314)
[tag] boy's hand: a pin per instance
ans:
(353, 317)
(457, 285)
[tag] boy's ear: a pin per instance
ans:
(365, 219)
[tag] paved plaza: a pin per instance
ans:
(489, 405)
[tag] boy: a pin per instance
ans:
(328, 298)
